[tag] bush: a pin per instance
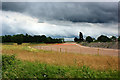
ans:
(89, 39)
(75, 39)
(8, 61)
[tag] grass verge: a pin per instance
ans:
(13, 68)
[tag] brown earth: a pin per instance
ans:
(77, 48)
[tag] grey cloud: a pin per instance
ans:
(14, 22)
(60, 19)
(75, 12)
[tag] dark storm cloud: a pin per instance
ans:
(60, 19)
(74, 12)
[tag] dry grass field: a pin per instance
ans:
(25, 52)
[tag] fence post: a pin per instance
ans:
(98, 51)
(80, 51)
(60, 49)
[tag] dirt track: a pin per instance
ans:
(76, 48)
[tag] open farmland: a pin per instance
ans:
(25, 52)
(41, 63)
(76, 48)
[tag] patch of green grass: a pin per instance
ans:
(28, 48)
(13, 68)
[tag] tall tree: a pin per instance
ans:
(80, 37)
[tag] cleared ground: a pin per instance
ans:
(77, 48)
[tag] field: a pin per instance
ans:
(77, 48)
(66, 64)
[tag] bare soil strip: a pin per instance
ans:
(76, 48)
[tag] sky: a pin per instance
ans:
(60, 19)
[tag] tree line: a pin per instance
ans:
(21, 38)
(101, 38)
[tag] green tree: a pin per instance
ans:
(103, 38)
(113, 38)
(80, 37)
(89, 39)
(7, 38)
(18, 38)
(75, 39)
(49, 40)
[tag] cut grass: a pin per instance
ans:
(13, 68)
(25, 53)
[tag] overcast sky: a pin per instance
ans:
(60, 19)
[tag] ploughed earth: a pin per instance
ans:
(77, 48)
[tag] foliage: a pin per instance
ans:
(8, 61)
(103, 38)
(20, 38)
(75, 39)
(89, 39)
(113, 38)
(81, 37)
(20, 69)
(7, 38)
